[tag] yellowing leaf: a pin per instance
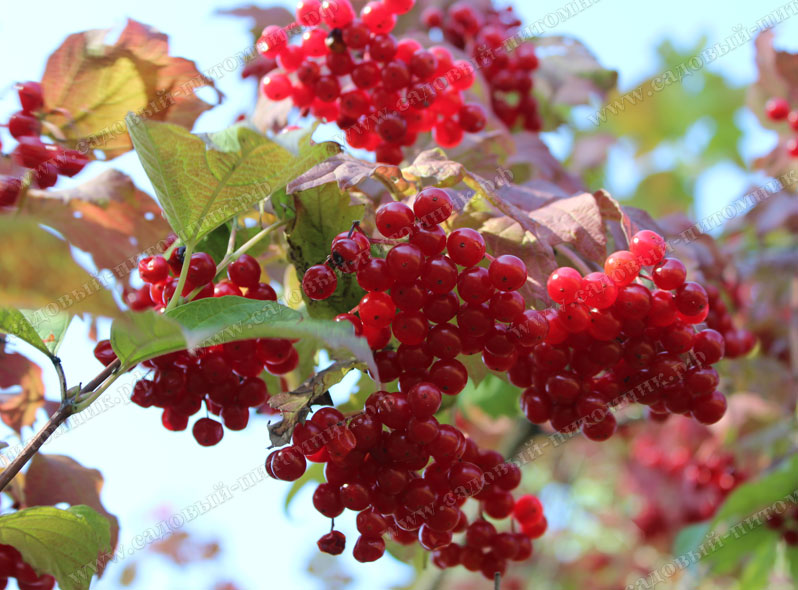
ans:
(89, 87)
(107, 216)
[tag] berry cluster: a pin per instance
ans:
(407, 475)
(611, 340)
(381, 92)
(47, 160)
(419, 280)
(484, 32)
(786, 524)
(616, 340)
(225, 377)
(778, 109)
(739, 341)
(13, 566)
(689, 488)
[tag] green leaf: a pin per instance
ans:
(750, 497)
(203, 180)
(315, 472)
(736, 551)
(493, 395)
(756, 574)
(689, 538)
(45, 333)
(63, 543)
(321, 213)
(792, 562)
(141, 336)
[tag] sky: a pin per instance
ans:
(151, 473)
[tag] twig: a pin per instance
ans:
(59, 369)
(497, 581)
(247, 245)
(64, 411)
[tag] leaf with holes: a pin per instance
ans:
(204, 180)
(63, 543)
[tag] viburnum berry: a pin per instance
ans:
(622, 267)
(648, 246)
(333, 543)
(563, 284)
(207, 432)
(10, 189)
(319, 282)
(244, 271)
(777, 109)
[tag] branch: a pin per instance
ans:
(64, 411)
(793, 329)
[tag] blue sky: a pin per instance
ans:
(147, 467)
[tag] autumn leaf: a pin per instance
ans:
(348, 172)
(49, 282)
(107, 216)
(18, 410)
(90, 87)
(52, 479)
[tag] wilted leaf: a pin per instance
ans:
(348, 172)
(18, 410)
(89, 87)
(49, 282)
(321, 214)
(63, 543)
(295, 405)
(107, 216)
(204, 180)
(271, 115)
(139, 336)
(52, 479)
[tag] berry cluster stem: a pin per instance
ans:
(183, 275)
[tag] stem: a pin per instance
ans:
(497, 581)
(64, 411)
(578, 263)
(231, 244)
(247, 245)
(61, 377)
(183, 275)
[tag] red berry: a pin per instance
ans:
(564, 284)
(245, 271)
(22, 124)
(669, 274)
(276, 86)
(333, 543)
(709, 408)
(368, 549)
(10, 189)
(465, 246)
(378, 18)
(319, 282)
(30, 96)
(507, 272)
(207, 432)
(272, 41)
(777, 109)
(432, 206)
(394, 220)
(648, 246)
(622, 267)
(377, 309)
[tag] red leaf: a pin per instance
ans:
(18, 410)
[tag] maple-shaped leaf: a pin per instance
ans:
(89, 87)
(107, 216)
(19, 409)
(52, 479)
